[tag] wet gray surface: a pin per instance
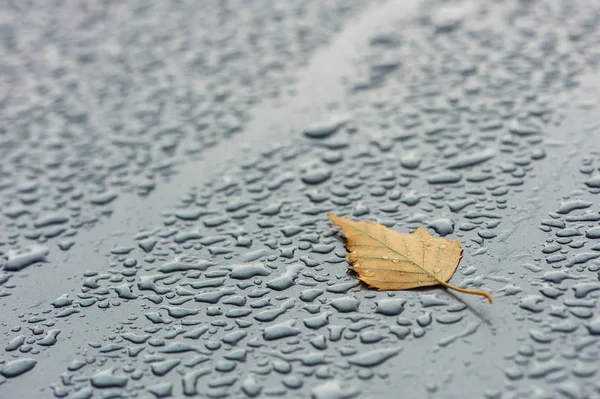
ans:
(167, 169)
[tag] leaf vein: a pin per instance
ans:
(387, 246)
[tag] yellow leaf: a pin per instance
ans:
(388, 260)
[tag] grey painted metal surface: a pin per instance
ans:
(167, 167)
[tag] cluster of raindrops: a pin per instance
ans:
(244, 290)
(105, 98)
(562, 349)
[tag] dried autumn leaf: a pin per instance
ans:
(388, 260)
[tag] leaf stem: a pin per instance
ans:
(485, 294)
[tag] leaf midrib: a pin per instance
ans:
(396, 251)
